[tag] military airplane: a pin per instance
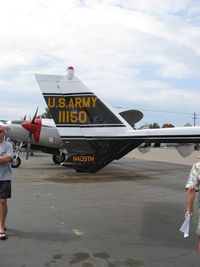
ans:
(93, 133)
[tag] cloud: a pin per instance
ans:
(152, 6)
(128, 51)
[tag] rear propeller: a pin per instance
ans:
(34, 128)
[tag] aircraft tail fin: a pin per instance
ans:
(93, 132)
(72, 104)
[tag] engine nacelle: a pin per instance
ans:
(185, 149)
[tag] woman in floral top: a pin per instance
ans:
(193, 186)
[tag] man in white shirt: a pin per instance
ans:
(6, 154)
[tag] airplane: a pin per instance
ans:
(38, 134)
(93, 133)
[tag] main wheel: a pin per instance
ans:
(16, 162)
(58, 159)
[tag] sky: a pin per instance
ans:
(133, 54)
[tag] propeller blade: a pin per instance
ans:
(28, 146)
(35, 115)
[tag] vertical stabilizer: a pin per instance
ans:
(84, 122)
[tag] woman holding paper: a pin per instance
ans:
(193, 186)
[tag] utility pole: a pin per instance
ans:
(195, 118)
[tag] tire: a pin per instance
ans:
(16, 162)
(57, 159)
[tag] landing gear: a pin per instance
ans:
(16, 162)
(58, 158)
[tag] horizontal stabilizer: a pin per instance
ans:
(132, 116)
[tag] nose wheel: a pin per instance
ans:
(16, 162)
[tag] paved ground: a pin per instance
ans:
(128, 214)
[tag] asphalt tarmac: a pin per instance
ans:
(128, 214)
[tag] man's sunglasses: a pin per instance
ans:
(1, 131)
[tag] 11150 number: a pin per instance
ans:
(72, 116)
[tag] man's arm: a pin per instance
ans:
(5, 159)
(190, 201)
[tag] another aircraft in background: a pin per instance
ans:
(38, 134)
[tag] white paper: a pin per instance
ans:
(185, 228)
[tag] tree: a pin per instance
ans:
(46, 114)
(168, 125)
(154, 125)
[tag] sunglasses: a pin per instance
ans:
(1, 131)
